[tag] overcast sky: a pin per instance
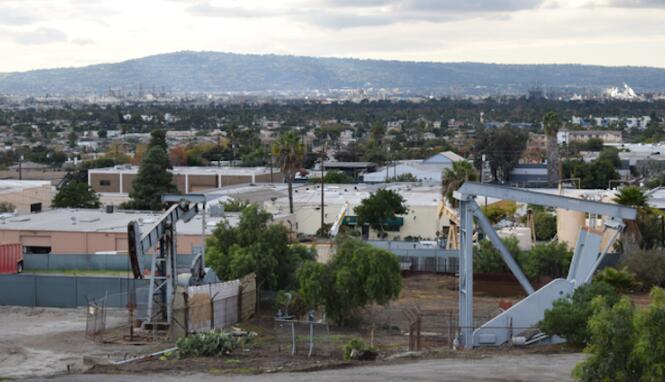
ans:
(55, 33)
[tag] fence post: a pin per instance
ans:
(293, 338)
(212, 312)
(239, 308)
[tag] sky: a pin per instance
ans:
(38, 34)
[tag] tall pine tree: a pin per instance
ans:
(153, 179)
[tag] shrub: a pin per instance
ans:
(568, 316)
(487, 259)
(207, 344)
(622, 280)
(544, 225)
(7, 207)
(500, 210)
(550, 259)
(648, 267)
(650, 346)
(357, 349)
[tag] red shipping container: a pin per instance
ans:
(11, 258)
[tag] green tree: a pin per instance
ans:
(75, 195)
(333, 177)
(569, 316)
(552, 124)
(379, 208)
(502, 147)
(650, 346)
(289, 152)
(358, 275)
(158, 138)
(453, 178)
(644, 231)
(611, 341)
(256, 245)
(152, 181)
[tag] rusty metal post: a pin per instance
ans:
(418, 321)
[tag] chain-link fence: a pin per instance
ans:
(302, 337)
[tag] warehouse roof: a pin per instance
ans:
(190, 170)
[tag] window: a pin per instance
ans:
(105, 182)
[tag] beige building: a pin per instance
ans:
(607, 136)
(27, 195)
(119, 179)
(88, 231)
(421, 221)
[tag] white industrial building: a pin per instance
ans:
(427, 170)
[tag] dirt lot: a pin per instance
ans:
(46, 341)
(41, 342)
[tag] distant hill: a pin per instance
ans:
(206, 72)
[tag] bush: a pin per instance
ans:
(550, 259)
(357, 349)
(486, 258)
(648, 267)
(569, 316)
(7, 207)
(500, 210)
(295, 307)
(622, 280)
(544, 224)
(207, 344)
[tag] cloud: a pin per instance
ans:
(14, 16)
(83, 41)
(38, 36)
(636, 3)
(206, 9)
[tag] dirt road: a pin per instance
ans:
(534, 367)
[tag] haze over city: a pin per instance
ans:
(45, 34)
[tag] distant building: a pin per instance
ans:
(528, 175)
(427, 170)
(27, 195)
(607, 136)
(119, 179)
(89, 231)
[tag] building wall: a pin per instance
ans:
(112, 179)
(127, 182)
(23, 199)
(231, 180)
(84, 242)
(277, 177)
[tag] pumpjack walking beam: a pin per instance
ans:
(531, 309)
(162, 236)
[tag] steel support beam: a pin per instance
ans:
(486, 226)
(548, 200)
(466, 324)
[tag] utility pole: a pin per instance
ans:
(20, 168)
(323, 169)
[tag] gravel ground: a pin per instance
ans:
(533, 367)
(46, 341)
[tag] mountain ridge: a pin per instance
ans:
(220, 72)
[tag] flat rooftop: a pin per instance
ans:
(414, 194)
(187, 170)
(10, 185)
(92, 220)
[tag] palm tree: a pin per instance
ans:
(633, 196)
(552, 124)
(455, 177)
(289, 152)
